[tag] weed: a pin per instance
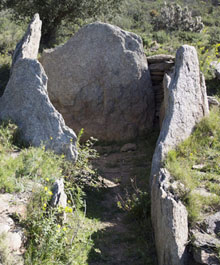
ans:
(201, 148)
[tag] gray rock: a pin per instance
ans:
(26, 102)
(160, 58)
(161, 67)
(170, 222)
(213, 101)
(128, 147)
(204, 248)
(206, 240)
(59, 197)
(211, 224)
(99, 80)
(12, 236)
(203, 256)
(185, 103)
(29, 45)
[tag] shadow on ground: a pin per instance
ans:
(125, 235)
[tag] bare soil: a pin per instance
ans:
(125, 236)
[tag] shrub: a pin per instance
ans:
(173, 17)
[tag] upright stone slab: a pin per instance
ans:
(185, 105)
(28, 46)
(26, 102)
(99, 80)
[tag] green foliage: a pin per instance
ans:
(8, 133)
(53, 12)
(214, 36)
(201, 148)
(161, 36)
(49, 241)
(136, 203)
(173, 17)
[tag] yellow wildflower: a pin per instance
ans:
(46, 188)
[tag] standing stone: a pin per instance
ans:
(185, 105)
(29, 45)
(99, 80)
(26, 102)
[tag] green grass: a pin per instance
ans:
(201, 148)
(49, 240)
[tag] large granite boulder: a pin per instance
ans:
(99, 80)
(185, 102)
(26, 102)
(28, 46)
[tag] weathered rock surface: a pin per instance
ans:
(206, 240)
(29, 45)
(11, 234)
(159, 65)
(204, 248)
(185, 104)
(26, 102)
(59, 198)
(159, 58)
(99, 80)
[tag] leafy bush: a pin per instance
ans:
(214, 36)
(173, 17)
(161, 36)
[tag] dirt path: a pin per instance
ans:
(125, 237)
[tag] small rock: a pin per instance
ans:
(212, 224)
(212, 101)
(201, 166)
(59, 196)
(128, 147)
(204, 247)
(203, 192)
(59, 199)
(204, 257)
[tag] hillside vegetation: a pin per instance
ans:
(194, 164)
(49, 240)
(141, 17)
